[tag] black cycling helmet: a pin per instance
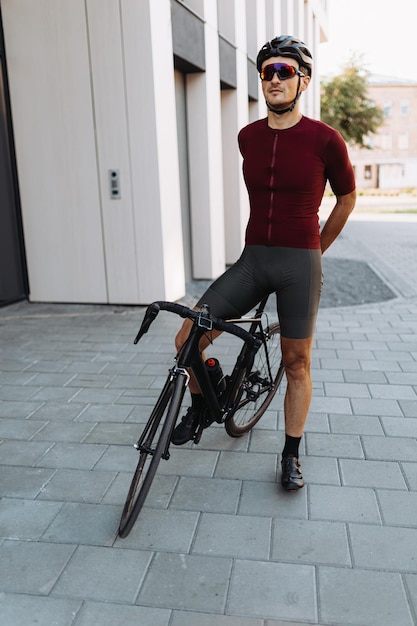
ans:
(293, 48)
(286, 46)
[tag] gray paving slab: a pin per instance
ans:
(26, 610)
(69, 432)
(19, 429)
(70, 485)
(102, 574)
(373, 474)
(411, 588)
(267, 499)
(218, 541)
(71, 455)
(155, 531)
(345, 504)
(105, 413)
(409, 407)
(379, 599)
(32, 567)
(83, 524)
(344, 446)
(107, 614)
(241, 536)
(354, 424)
(26, 519)
(410, 475)
(318, 542)
(239, 465)
(58, 411)
(182, 618)
(384, 547)
(400, 427)
(399, 508)
(23, 482)
(277, 590)
(187, 581)
(390, 448)
(207, 494)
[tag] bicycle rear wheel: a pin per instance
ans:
(151, 446)
(259, 385)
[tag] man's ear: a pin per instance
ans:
(304, 82)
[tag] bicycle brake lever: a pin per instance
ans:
(151, 312)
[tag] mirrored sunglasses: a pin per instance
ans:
(283, 70)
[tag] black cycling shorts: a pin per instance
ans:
(294, 274)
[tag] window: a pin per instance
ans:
(386, 141)
(368, 172)
(370, 141)
(404, 107)
(387, 108)
(403, 141)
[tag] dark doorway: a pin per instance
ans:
(13, 276)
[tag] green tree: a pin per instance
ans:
(345, 105)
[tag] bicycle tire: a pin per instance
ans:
(259, 385)
(154, 445)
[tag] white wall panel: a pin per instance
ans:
(181, 105)
(167, 147)
(234, 117)
(258, 110)
(107, 74)
(150, 93)
(49, 77)
(205, 153)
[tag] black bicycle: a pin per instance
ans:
(238, 400)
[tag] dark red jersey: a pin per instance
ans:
(285, 172)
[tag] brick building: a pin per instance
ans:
(391, 163)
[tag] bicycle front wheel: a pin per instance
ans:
(151, 447)
(259, 385)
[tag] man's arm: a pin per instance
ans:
(337, 219)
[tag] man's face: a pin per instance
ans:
(280, 93)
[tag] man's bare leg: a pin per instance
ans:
(296, 355)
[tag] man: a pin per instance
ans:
(287, 160)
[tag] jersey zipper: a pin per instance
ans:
(271, 182)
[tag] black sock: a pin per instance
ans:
(197, 401)
(291, 446)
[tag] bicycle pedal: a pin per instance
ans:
(197, 435)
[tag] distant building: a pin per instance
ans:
(391, 163)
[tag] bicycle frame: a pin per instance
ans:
(190, 357)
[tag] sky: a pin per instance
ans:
(382, 33)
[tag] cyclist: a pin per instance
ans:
(287, 160)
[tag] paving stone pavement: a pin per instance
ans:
(217, 543)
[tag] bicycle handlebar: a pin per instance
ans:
(212, 322)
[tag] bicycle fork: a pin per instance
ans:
(167, 394)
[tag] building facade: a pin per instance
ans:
(390, 162)
(122, 119)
